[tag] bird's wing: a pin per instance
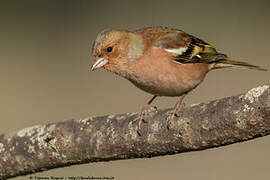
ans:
(186, 48)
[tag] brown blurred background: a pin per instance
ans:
(44, 75)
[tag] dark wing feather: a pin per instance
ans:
(185, 48)
(196, 50)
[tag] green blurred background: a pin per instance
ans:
(45, 77)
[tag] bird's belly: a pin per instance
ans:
(168, 83)
(161, 89)
(165, 88)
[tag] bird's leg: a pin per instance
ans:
(172, 113)
(144, 110)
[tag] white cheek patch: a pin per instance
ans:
(179, 51)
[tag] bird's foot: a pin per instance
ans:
(145, 110)
(171, 114)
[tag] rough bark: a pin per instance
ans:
(219, 122)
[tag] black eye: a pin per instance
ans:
(109, 49)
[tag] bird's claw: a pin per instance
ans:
(139, 133)
(143, 120)
(146, 110)
(154, 108)
(170, 118)
(174, 113)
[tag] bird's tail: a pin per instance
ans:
(223, 63)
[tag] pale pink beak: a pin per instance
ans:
(98, 63)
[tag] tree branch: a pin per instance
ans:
(206, 125)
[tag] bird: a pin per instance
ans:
(159, 60)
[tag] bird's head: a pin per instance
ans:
(109, 49)
(114, 49)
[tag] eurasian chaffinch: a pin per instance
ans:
(159, 60)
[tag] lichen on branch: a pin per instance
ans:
(205, 125)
